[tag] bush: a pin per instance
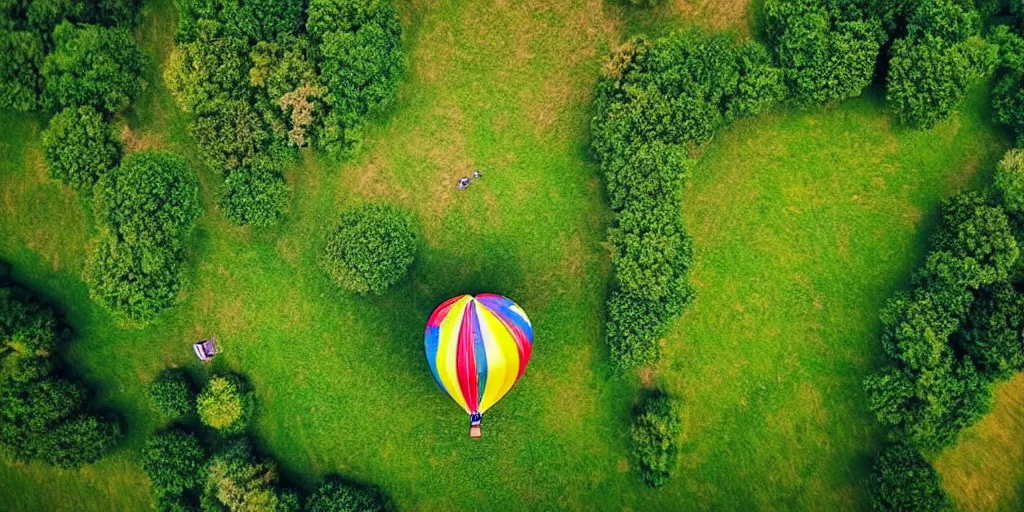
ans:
(827, 55)
(904, 481)
(174, 461)
(82, 440)
(212, 68)
(28, 335)
(1008, 91)
(370, 250)
(145, 208)
(255, 193)
(991, 337)
(79, 147)
(20, 80)
(171, 393)
(979, 234)
(1009, 182)
(360, 58)
(933, 66)
(237, 481)
(336, 495)
(226, 404)
(655, 428)
(94, 66)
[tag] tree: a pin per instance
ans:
(370, 250)
(979, 234)
(79, 147)
(212, 68)
(145, 208)
(236, 481)
(92, 65)
(226, 404)
(827, 54)
(81, 440)
(28, 336)
(174, 461)
(1009, 182)
(171, 393)
(1008, 91)
(255, 193)
(20, 81)
(337, 495)
(904, 481)
(656, 426)
(932, 67)
(992, 335)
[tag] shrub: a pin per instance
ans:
(827, 54)
(358, 44)
(20, 80)
(1008, 91)
(174, 461)
(655, 429)
(92, 65)
(171, 393)
(932, 67)
(370, 250)
(79, 147)
(212, 68)
(255, 193)
(991, 337)
(81, 440)
(28, 335)
(980, 234)
(226, 404)
(903, 480)
(229, 132)
(336, 495)
(145, 208)
(1009, 182)
(256, 20)
(237, 481)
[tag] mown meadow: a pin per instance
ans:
(805, 222)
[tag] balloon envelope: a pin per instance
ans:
(477, 348)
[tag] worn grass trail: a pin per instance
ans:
(804, 223)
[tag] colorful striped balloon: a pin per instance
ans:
(477, 348)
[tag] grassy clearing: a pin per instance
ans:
(805, 222)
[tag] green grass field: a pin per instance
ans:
(805, 222)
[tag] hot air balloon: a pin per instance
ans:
(477, 348)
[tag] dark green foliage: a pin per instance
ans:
(20, 80)
(932, 67)
(978, 234)
(41, 415)
(254, 20)
(370, 250)
(229, 132)
(1009, 183)
(174, 461)
(92, 65)
(1008, 91)
(28, 335)
(656, 426)
(79, 147)
(146, 209)
(361, 62)
(226, 404)
(237, 481)
(657, 100)
(827, 52)
(255, 193)
(336, 495)
(81, 440)
(904, 481)
(932, 392)
(679, 90)
(171, 393)
(992, 336)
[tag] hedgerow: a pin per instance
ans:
(658, 101)
(43, 415)
(263, 77)
(146, 208)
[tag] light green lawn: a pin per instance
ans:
(804, 224)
